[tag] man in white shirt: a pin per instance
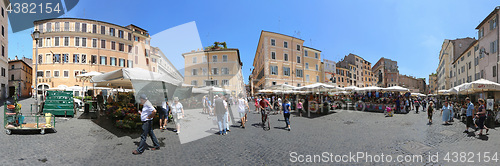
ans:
(147, 114)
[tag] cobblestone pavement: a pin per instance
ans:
(83, 142)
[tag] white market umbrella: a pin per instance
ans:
(351, 88)
(480, 85)
(396, 89)
(369, 88)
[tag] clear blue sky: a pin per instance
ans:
(410, 32)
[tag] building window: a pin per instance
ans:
(214, 58)
(225, 71)
(285, 44)
(94, 28)
(194, 82)
(317, 68)
(130, 63)
(111, 31)
(65, 73)
(285, 57)
(494, 71)
(307, 78)
(113, 45)
(274, 83)
(225, 82)
(66, 41)
(56, 41)
(305, 53)
(286, 71)
(493, 46)
(103, 44)
(47, 58)
(57, 28)
(273, 55)
(120, 34)
(47, 73)
(194, 72)
(103, 60)
(215, 71)
(84, 58)
(273, 42)
(84, 42)
(76, 58)
(194, 60)
(274, 70)
(298, 47)
(204, 59)
(129, 48)
(40, 43)
(57, 58)
(77, 26)
(38, 73)
(77, 41)
(48, 42)
(298, 59)
(224, 58)
(94, 43)
(204, 71)
(316, 55)
(298, 73)
(56, 73)
(103, 30)
(65, 58)
(317, 78)
(121, 47)
(307, 65)
(66, 26)
(122, 62)
(112, 61)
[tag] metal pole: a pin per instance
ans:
(36, 75)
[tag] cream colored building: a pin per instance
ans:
(20, 74)
(433, 87)
(464, 65)
(450, 51)
(220, 68)
(343, 78)
(282, 59)
(360, 71)
(72, 46)
(4, 42)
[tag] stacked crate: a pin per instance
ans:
(59, 103)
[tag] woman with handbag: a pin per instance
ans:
(481, 116)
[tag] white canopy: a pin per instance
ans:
(351, 88)
(89, 74)
(199, 91)
(154, 85)
(396, 89)
(479, 86)
(369, 88)
(443, 92)
(282, 87)
(214, 89)
(319, 87)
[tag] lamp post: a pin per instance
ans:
(36, 37)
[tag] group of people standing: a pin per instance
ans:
(475, 115)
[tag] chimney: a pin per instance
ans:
(16, 58)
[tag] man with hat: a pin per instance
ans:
(468, 113)
(147, 114)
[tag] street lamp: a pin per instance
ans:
(36, 37)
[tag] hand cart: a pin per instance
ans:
(17, 122)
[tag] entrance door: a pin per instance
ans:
(12, 89)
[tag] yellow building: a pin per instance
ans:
(20, 74)
(222, 68)
(282, 59)
(73, 46)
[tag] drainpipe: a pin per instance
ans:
(498, 37)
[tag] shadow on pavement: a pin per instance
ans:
(483, 137)
(107, 124)
(88, 115)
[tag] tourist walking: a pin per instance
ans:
(147, 114)
(468, 114)
(257, 106)
(430, 111)
(286, 113)
(228, 107)
(220, 112)
(299, 107)
(164, 113)
(481, 115)
(178, 111)
(242, 107)
(417, 105)
(446, 112)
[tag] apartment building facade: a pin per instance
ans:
(329, 72)
(282, 59)
(386, 72)
(72, 46)
(218, 67)
(360, 72)
(343, 77)
(488, 54)
(450, 51)
(4, 42)
(20, 74)
(433, 87)
(465, 66)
